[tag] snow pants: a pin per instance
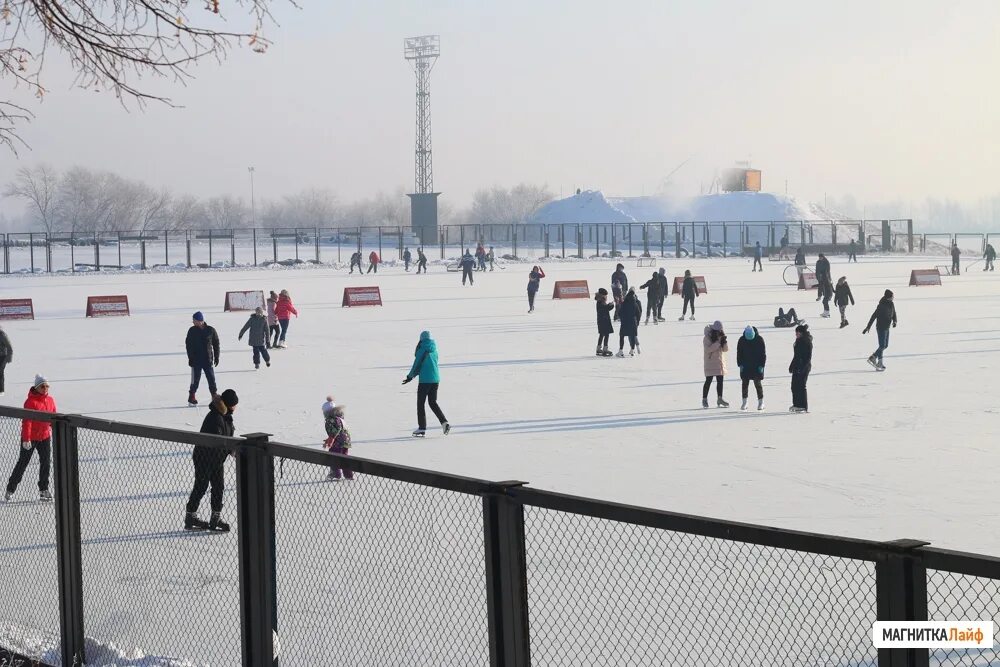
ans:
(799, 398)
(208, 471)
(467, 273)
(428, 392)
(44, 448)
(357, 264)
(196, 372)
(258, 352)
(337, 472)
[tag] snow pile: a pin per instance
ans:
(594, 207)
(44, 647)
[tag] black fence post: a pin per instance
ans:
(506, 579)
(68, 541)
(258, 572)
(901, 595)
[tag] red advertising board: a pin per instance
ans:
(807, 280)
(250, 300)
(16, 309)
(361, 296)
(571, 289)
(699, 282)
(920, 277)
(107, 306)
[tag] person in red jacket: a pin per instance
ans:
(284, 310)
(373, 261)
(35, 435)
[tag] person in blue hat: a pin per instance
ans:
(202, 345)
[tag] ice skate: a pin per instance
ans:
(655, 321)
(217, 524)
(637, 350)
(621, 353)
(268, 363)
(880, 366)
(192, 522)
(419, 433)
(332, 477)
(760, 404)
(45, 496)
(796, 410)
(691, 318)
(704, 402)
(192, 400)
(600, 352)
(7, 495)
(646, 322)
(843, 323)
(872, 361)
(256, 367)
(446, 427)
(606, 352)
(680, 319)
(743, 406)
(631, 353)
(825, 313)
(721, 402)
(661, 319)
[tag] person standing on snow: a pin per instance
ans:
(284, 311)
(956, 256)
(883, 317)
(425, 366)
(35, 436)
(202, 345)
(373, 262)
(356, 261)
(664, 288)
(800, 367)
(630, 313)
(481, 256)
(619, 277)
(209, 465)
(842, 297)
(6, 357)
(604, 326)
(257, 325)
(852, 252)
(826, 292)
(406, 259)
(689, 290)
(751, 357)
(758, 255)
(800, 257)
(272, 320)
(652, 297)
(534, 280)
(716, 347)
(421, 260)
(491, 257)
(990, 255)
(468, 263)
(822, 277)
(338, 438)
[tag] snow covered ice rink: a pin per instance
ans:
(903, 453)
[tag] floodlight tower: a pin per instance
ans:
(423, 52)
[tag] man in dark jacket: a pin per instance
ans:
(956, 255)
(689, 290)
(406, 258)
(842, 298)
(619, 277)
(468, 263)
(800, 367)
(664, 288)
(822, 277)
(208, 465)
(751, 357)
(652, 297)
(6, 356)
(990, 255)
(758, 255)
(356, 261)
(883, 317)
(202, 345)
(421, 260)
(631, 312)
(852, 252)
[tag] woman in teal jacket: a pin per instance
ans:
(425, 365)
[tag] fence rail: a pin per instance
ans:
(401, 565)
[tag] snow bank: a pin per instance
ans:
(44, 647)
(590, 206)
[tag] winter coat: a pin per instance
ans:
(991, 254)
(826, 288)
(822, 268)
(802, 354)
(337, 430)
(272, 317)
(284, 309)
(654, 287)
(604, 325)
(629, 315)
(356, 258)
(620, 278)
(421, 257)
(664, 286)
(33, 431)
(534, 279)
(690, 288)
(425, 362)
(406, 255)
(202, 345)
(844, 295)
(373, 257)
(6, 350)
(257, 324)
(884, 315)
(955, 252)
(715, 353)
(751, 355)
(468, 261)
(758, 251)
(800, 258)
(218, 421)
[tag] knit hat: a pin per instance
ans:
(802, 328)
(749, 333)
(716, 325)
(329, 405)
(663, 271)
(39, 381)
(198, 317)
(230, 398)
(888, 294)
(258, 310)
(687, 273)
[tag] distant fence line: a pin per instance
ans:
(219, 248)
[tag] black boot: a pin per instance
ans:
(192, 522)
(217, 524)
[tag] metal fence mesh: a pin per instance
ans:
(151, 588)
(607, 593)
(29, 617)
(374, 571)
(960, 597)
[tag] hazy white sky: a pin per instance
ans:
(882, 99)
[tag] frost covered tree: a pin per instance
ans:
(39, 186)
(500, 206)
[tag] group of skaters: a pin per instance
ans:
(476, 262)
(800, 254)
(989, 256)
(374, 261)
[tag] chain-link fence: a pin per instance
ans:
(954, 596)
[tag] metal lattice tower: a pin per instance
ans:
(423, 52)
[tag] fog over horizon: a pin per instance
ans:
(860, 103)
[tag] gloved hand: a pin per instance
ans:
(864, 331)
(408, 379)
(216, 364)
(893, 325)
(27, 444)
(240, 337)
(760, 369)
(328, 443)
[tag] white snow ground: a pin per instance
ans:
(903, 453)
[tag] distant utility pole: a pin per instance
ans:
(422, 52)
(253, 211)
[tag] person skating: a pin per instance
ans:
(784, 319)
(534, 281)
(842, 298)
(618, 296)
(664, 288)
(630, 313)
(273, 330)
(284, 310)
(800, 257)
(209, 465)
(619, 277)
(406, 259)
(716, 347)
(799, 368)
(202, 344)
(481, 257)
(421, 261)
(425, 367)
(990, 255)
(852, 252)
(822, 276)
(652, 297)
(491, 257)
(604, 326)
(956, 260)
(751, 357)
(373, 262)
(6, 357)
(826, 293)
(36, 436)
(689, 290)
(758, 256)
(356, 261)
(257, 326)
(338, 438)
(883, 317)
(468, 263)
